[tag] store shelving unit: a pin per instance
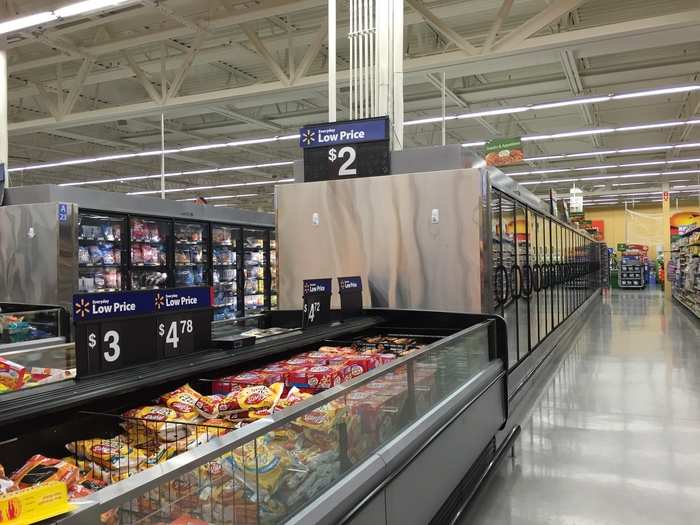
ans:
(631, 273)
(686, 263)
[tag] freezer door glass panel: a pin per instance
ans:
(254, 270)
(274, 285)
(541, 269)
(500, 290)
(533, 230)
(522, 235)
(191, 253)
(225, 243)
(101, 252)
(510, 307)
(149, 263)
(567, 273)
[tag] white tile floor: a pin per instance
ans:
(615, 436)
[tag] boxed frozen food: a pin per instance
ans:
(319, 377)
(39, 469)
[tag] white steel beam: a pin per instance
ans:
(441, 27)
(265, 54)
(234, 115)
(599, 41)
(142, 78)
(311, 52)
(568, 63)
(78, 83)
(176, 84)
(503, 13)
(553, 12)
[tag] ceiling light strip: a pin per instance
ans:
(605, 167)
(180, 173)
(579, 101)
(212, 187)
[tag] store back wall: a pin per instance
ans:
(649, 231)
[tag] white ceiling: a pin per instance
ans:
(110, 70)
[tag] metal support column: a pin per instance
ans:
(162, 156)
(666, 221)
(332, 87)
(3, 116)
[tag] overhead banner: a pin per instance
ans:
(346, 150)
(504, 152)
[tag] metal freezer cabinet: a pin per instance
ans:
(416, 239)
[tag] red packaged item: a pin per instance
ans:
(225, 385)
(11, 374)
(360, 364)
(39, 469)
(188, 520)
(299, 362)
(208, 406)
(337, 350)
(321, 358)
(314, 378)
(335, 360)
(383, 359)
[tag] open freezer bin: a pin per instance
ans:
(317, 460)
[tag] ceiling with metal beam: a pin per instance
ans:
(230, 70)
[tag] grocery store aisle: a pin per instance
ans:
(615, 436)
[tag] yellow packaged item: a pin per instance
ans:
(260, 396)
(261, 466)
(111, 454)
(183, 400)
(161, 420)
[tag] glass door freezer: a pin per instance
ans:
(102, 252)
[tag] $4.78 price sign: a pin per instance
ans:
(175, 335)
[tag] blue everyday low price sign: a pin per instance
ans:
(122, 304)
(349, 132)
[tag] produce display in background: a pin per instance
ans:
(266, 478)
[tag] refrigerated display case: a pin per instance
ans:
(298, 458)
(255, 262)
(191, 254)
(225, 248)
(104, 242)
(149, 263)
(101, 252)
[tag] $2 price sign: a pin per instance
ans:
(347, 154)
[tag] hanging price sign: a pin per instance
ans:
(317, 302)
(349, 149)
(123, 329)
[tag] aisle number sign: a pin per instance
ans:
(348, 149)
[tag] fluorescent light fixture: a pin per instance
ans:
(572, 102)
(605, 167)
(431, 120)
(567, 134)
(602, 177)
(26, 21)
(591, 153)
(630, 183)
(637, 175)
(473, 144)
(657, 125)
(86, 6)
(221, 197)
(121, 156)
(554, 181)
(213, 187)
(599, 185)
(493, 112)
(652, 92)
(181, 173)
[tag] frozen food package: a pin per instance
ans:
(161, 420)
(257, 461)
(39, 469)
(113, 454)
(83, 255)
(183, 400)
(12, 374)
(208, 406)
(259, 396)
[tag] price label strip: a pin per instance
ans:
(350, 294)
(317, 302)
(349, 149)
(35, 504)
(122, 329)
